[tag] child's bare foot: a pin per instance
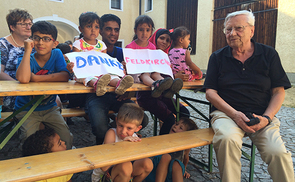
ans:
(123, 84)
(101, 84)
(176, 87)
(160, 86)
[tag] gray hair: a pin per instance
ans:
(249, 14)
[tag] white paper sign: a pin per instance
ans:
(146, 60)
(94, 63)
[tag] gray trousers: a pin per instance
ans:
(50, 118)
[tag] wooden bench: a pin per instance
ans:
(55, 164)
(68, 112)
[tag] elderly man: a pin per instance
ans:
(247, 77)
(98, 107)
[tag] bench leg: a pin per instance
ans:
(252, 162)
(251, 159)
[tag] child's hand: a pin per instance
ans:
(70, 67)
(132, 139)
(182, 76)
(124, 67)
(186, 175)
(29, 45)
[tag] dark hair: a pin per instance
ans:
(130, 113)
(143, 19)
(179, 32)
(45, 27)
(87, 18)
(69, 42)
(109, 17)
(17, 15)
(64, 47)
(39, 142)
(191, 125)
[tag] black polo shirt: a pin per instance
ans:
(246, 87)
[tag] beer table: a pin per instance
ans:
(41, 89)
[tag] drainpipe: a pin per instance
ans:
(139, 7)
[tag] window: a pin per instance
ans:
(116, 4)
(61, 1)
(120, 43)
(148, 5)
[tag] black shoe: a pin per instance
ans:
(160, 86)
(175, 88)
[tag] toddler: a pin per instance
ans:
(180, 57)
(89, 28)
(45, 141)
(171, 167)
(143, 30)
(128, 123)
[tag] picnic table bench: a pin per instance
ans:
(55, 164)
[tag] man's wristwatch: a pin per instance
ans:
(268, 118)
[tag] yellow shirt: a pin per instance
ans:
(64, 178)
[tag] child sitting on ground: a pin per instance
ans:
(128, 123)
(172, 167)
(180, 57)
(45, 65)
(143, 29)
(45, 141)
(89, 28)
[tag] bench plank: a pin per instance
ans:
(72, 161)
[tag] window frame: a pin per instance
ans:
(116, 9)
(146, 4)
(59, 1)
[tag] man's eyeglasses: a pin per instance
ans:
(44, 39)
(24, 25)
(228, 30)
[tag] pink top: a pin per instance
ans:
(133, 45)
(177, 59)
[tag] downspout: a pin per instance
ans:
(139, 7)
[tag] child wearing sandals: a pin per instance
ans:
(172, 167)
(45, 141)
(128, 123)
(180, 57)
(89, 28)
(143, 30)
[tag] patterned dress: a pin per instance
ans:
(85, 47)
(9, 59)
(177, 59)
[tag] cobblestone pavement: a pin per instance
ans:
(83, 137)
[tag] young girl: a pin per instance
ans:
(143, 29)
(180, 57)
(172, 167)
(45, 141)
(89, 28)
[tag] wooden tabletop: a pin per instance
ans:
(14, 88)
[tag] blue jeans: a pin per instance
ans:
(98, 108)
